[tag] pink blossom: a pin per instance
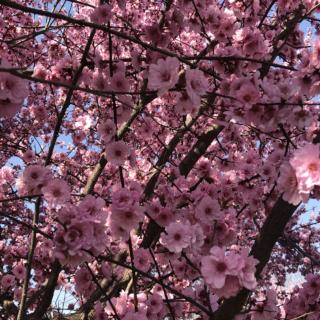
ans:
(78, 137)
(176, 22)
(248, 94)
(288, 184)
(177, 237)
(128, 218)
(266, 306)
(29, 156)
(226, 272)
(204, 168)
(215, 267)
(91, 205)
(248, 269)
(19, 271)
(80, 232)
(136, 57)
(39, 71)
(155, 303)
(77, 236)
(56, 192)
(33, 179)
(122, 199)
(197, 84)
(153, 208)
(179, 268)
(119, 82)
(198, 237)
(230, 287)
(251, 41)
(83, 280)
(208, 210)
(99, 312)
(122, 4)
(185, 105)
(163, 75)
(106, 270)
(135, 189)
(13, 91)
(164, 217)
(117, 152)
(7, 281)
(142, 259)
(6, 177)
(118, 231)
(312, 285)
(101, 14)
(306, 163)
(99, 81)
(154, 34)
(125, 212)
(315, 57)
(68, 214)
(120, 303)
(131, 315)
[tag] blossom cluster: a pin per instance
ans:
(299, 177)
(81, 231)
(13, 91)
(126, 213)
(154, 156)
(226, 272)
(37, 180)
(151, 306)
(305, 299)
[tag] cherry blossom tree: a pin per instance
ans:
(159, 159)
